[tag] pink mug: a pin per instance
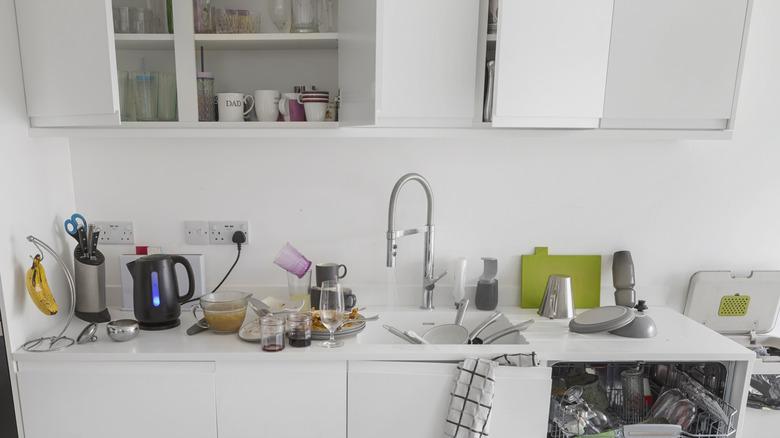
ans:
(291, 109)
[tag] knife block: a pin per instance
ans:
(90, 279)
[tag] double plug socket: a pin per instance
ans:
(214, 232)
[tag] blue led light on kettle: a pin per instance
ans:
(155, 290)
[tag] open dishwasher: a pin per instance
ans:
(632, 399)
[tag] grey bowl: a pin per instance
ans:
(122, 329)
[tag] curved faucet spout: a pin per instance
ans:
(392, 235)
(394, 196)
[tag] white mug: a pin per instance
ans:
(230, 106)
(315, 111)
(267, 105)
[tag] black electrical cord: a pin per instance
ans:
(238, 238)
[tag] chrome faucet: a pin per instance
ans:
(429, 279)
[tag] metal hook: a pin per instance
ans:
(35, 244)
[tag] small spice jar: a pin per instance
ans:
(272, 333)
(299, 329)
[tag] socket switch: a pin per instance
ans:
(196, 232)
(116, 232)
(221, 232)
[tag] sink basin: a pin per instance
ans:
(421, 321)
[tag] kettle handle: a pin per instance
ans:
(190, 277)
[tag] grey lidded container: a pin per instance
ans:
(487, 286)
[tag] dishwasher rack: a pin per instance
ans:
(662, 376)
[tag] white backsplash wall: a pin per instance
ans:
(678, 206)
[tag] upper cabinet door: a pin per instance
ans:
(551, 63)
(674, 63)
(426, 51)
(69, 62)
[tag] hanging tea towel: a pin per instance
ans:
(471, 399)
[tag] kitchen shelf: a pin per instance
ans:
(267, 41)
(320, 130)
(144, 41)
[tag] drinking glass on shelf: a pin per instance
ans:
(166, 96)
(203, 12)
(280, 11)
(327, 15)
(304, 16)
(331, 310)
(145, 87)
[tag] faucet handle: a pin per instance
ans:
(430, 283)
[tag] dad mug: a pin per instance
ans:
(230, 106)
(267, 105)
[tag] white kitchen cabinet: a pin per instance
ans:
(121, 400)
(551, 63)
(271, 399)
(674, 64)
(407, 62)
(410, 399)
(69, 62)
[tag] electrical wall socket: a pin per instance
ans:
(115, 232)
(196, 232)
(221, 232)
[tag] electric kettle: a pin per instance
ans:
(156, 298)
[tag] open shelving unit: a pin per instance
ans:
(240, 63)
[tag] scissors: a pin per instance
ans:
(73, 224)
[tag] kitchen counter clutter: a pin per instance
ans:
(679, 339)
(228, 388)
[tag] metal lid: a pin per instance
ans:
(602, 319)
(89, 334)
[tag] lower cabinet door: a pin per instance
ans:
(282, 399)
(117, 399)
(410, 399)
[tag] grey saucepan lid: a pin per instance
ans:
(602, 319)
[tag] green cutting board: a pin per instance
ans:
(584, 270)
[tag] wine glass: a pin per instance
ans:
(280, 11)
(331, 310)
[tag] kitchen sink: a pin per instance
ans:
(421, 321)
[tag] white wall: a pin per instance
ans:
(36, 189)
(678, 206)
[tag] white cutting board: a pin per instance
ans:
(707, 288)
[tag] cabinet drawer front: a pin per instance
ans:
(123, 400)
(551, 63)
(281, 399)
(673, 59)
(426, 52)
(411, 399)
(69, 61)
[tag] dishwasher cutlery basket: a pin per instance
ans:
(710, 376)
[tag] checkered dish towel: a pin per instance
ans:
(471, 399)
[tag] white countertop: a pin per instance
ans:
(679, 339)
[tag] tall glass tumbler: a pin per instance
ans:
(166, 100)
(206, 97)
(145, 87)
